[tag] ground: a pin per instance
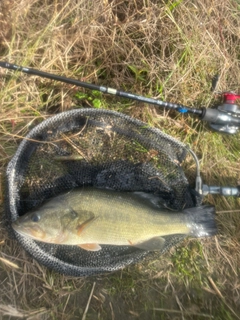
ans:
(170, 50)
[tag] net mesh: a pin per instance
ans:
(103, 149)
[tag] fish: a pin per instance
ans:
(90, 217)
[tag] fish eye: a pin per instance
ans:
(35, 217)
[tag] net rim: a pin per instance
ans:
(13, 193)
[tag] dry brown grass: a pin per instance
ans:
(164, 49)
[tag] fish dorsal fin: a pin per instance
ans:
(154, 244)
(90, 246)
(152, 199)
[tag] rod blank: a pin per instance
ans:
(178, 107)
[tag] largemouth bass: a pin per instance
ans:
(91, 217)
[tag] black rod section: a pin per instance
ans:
(178, 107)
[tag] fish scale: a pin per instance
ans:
(120, 220)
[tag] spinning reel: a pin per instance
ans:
(226, 118)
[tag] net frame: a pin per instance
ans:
(110, 258)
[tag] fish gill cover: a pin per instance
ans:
(100, 148)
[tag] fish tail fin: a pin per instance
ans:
(201, 221)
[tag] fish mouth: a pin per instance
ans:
(33, 232)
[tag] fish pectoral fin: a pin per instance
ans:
(85, 224)
(90, 246)
(153, 244)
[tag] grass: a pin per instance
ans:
(164, 49)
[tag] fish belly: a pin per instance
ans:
(119, 233)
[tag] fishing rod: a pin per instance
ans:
(225, 118)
